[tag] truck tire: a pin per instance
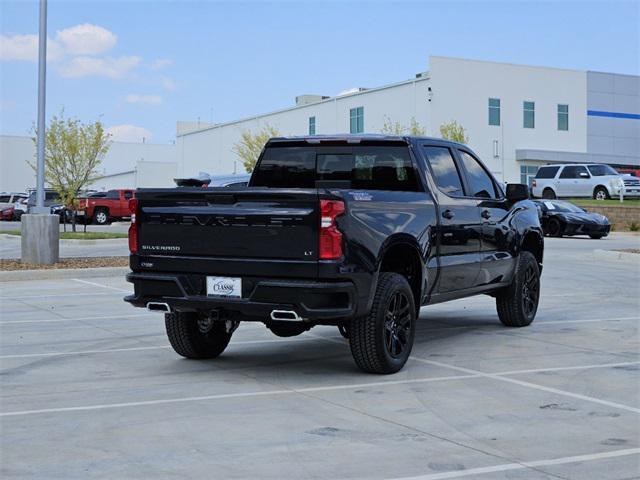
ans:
(548, 194)
(517, 304)
(193, 337)
(101, 216)
(288, 329)
(601, 193)
(381, 342)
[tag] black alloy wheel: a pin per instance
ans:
(397, 325)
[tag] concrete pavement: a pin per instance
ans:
(90, 388)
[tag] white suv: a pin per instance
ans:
(583, 180)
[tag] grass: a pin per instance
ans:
(590, 202)
(78, 235)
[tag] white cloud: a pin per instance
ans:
(86, 39)
(143, 99)
(161, 63)
(129, 133)
(168, 84)
(109, 67)
(25, 47)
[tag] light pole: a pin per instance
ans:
(42, 90)
(40, 237)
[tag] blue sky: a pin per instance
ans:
(140, 66)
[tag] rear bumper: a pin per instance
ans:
(314, 301)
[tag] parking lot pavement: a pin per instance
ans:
(90, 388)
(10, 247)
(115, 227)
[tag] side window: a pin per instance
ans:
(371, 168)
(581, 172)
(479, 180)
(547, 172)
(113, 194)
(445, 172)
(569, 172)
(5, 199)
(128, 194)
(286, 167)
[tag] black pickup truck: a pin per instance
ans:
(353, 231)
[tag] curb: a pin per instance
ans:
(61, 273)
(75, 241)
(619, 256)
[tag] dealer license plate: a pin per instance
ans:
(224, 287)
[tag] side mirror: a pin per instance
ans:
(584, 175)
(517, 192)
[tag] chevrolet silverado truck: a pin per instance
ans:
(356, 231)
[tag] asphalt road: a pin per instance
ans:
(91, 389)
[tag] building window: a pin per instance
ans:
(356, 120)
(312, 125)
(529, 114)
(563, 117)
(527, 174)
(494, 111)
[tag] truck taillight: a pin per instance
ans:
(533, 183)
(330, 237)
(133, 228)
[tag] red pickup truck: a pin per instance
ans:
(104, 207)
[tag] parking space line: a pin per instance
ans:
(86, 282)
(81, 319)
(524, 465)
(320, 389)
(263, 393)
(535, 386)
(135, 349)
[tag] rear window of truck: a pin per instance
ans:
(365, 168)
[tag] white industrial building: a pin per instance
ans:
(126, 165)
(516, 116)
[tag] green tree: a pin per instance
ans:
(251, 144)
(396, 128)
(73, 153)
(453, 131)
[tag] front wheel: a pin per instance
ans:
(381, 342)
(195, 336)
(601, 193)
(554, 228)
(517, 304)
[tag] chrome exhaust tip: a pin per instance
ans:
(286, 316)
(158, 307)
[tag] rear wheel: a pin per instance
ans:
(554, 228)
(101, 216)
(601, 193)
(195, 336)
(548, 194)
(381, 342)
(518, 303)
(596, 236)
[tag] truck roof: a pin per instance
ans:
(356, 138)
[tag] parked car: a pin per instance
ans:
(51, 197)
(583, 180)
(7, 213)
(560, 218)
(356, 231)
(634, 172)
(105, 207)
(8, 199)
(20, 208)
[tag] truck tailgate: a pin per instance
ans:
(229, 222)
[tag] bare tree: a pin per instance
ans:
(73, 153)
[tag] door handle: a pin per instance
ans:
(448, 214)
(486, 214)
